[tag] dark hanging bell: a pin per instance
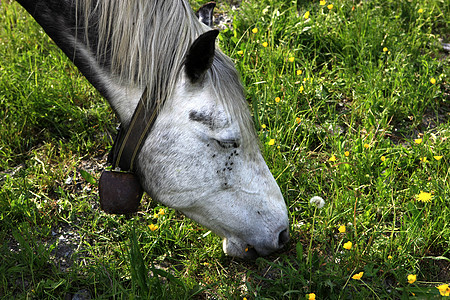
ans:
(120, 192)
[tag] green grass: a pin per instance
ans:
(342, 96)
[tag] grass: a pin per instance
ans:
(361, 119)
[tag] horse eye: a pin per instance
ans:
(228, 143)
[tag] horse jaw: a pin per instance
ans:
(198, 161)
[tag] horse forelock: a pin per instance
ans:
(145, 43)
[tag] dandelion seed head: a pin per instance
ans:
(317, 201)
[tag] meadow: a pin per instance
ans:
(351, 102)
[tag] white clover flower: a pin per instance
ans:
(317, 201)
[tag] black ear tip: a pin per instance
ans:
(201, 54)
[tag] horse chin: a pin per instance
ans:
(239, 249)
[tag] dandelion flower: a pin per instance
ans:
(153, 227)
(366, 146)
(424, 197)
(420, 10)
(317, 201)
(332, 158)
(341, 229)
(433, 81)
(346, 153)
(255, 30)
(306, 15)
(444, 290)
(383, 158)
(265, 44)
(240, 52)
(330, 6)
(277, 99)
(271, 142)
(437, 157)
(311, 296)
(322, 2)
(412, 278)
(348, 245)
(298, 120)
(385, 49)
(418, 141)
(299, 72)
(291, 59)
(358, 276)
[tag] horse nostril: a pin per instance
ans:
(283, 238)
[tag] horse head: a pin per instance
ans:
(202, 157)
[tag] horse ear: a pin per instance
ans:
(205, 13)
(201, 55)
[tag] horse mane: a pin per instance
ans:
(144, 44)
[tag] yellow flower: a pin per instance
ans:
(240, 52)
(255, 30)
(348, 245)
(444, 290)
(306, 15)
(424, 197)
(412, 278)
(277, 99)
(271, 142)
(437, 157)
(322, 2)
(161, 212)
(298, 120)
(263, 126)
(299, 72)
(420, 10)
(330, 6)
(433, 81)
(153, 227)
(311, 296)
(291, 59)
(155, 215)
(265, 44)
(346, 153)
(423, 159)
(383, 158)
(390, 257)
(246, 249)
(366, 146)
(418, 141)
(385, 49)
(358, 276)
(341, 229)
(332, 158)
(301, 89)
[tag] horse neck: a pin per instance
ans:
(59, 20)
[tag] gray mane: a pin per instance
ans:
(145, 43)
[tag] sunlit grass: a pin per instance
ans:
(350, 102)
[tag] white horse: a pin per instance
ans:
(202, 155)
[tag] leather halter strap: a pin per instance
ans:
(129, 140)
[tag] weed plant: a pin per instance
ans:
(351, 104)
